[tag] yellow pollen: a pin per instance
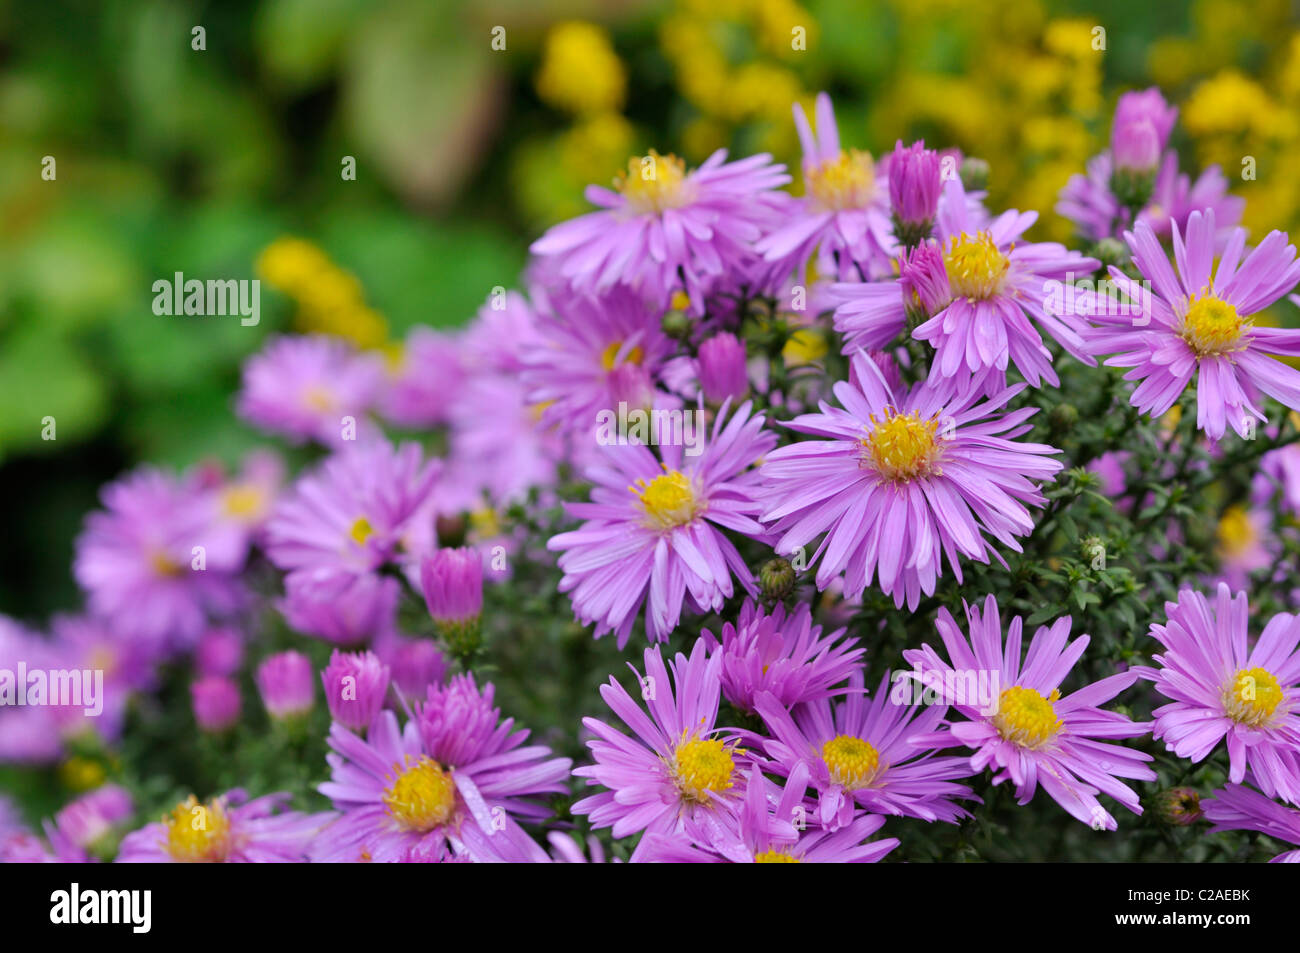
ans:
(609, 358)
(653, 183)
(975, 266)
(361, 531)
(318, 398)
(845, 182)
(1236, 533)
(1252, 696)
(164, 565)
(681, 300)
(776, 857)
(852, 762)
(668, 500)
(423, 796)
(198, 833)
(902, 447)
(243, 500)
(1212, 326)
(1026, 718)
(702, 767)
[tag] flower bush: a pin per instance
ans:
(779, 515)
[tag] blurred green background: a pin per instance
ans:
(170, 158)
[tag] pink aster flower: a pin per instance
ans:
(341, 608)
(156, 562)
(1200, 325)
(775, 833)
(216, 702)
(585, 343)
(678, 773)
(843, 217)
(356, 684)
(723, 372)
(653, 530)
(999, 287)
(286, 682)
(1221, 688)
(348, 515)
(665, 228)
(898, 481)
(448, 784)
(302, 387)
(859, 753)
(1087, 201)
(92, 817)
(229, 829)
(784, 654)
(1237, 808)
(423, 380)
(1031, 734)
(497, 449)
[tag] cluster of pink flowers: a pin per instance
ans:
(707, 489)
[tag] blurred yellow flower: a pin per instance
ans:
(580, 71)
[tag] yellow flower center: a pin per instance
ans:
(845, 182)
(423, 796)
(975, 266)
(244, 501)
(1212, 326)
(668, 500)
(701, 767)
(902, 447)
(776, 857)
(1236, 533)
(852, 762)
(1026, 718)
(361, 531)
(609, 357)
(198, 833)
(164, 565)
(318, 398)
(804, 347)
(653, 183)
(1252, 696)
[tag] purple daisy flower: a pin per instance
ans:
(423, 379)
(1029, 732)
(585, 345)
(859, 753)
(663, 226)
(156, 562)
(678, 772)
(901, 480)
(448, 783)
(347, 516)
(497, 449)
(999, 292)
(1237, 808)
(303, 386)
(784, 654)
(843, 217)
(770, 833)
(1194, 324)
(653, 530)
(344, 609)
(1222, 688)
(228, 829)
